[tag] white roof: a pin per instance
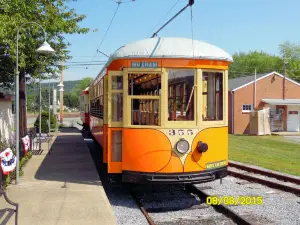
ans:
(171, 47)
(282, 101)
(168, 47)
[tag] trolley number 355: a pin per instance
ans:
(174, 132)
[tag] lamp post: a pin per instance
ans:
(44, 49)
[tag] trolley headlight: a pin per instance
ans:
(202, 147)
(182, 146)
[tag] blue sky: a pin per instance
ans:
(233, 25)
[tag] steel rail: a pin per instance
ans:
(219, 208)
(143, 210)
(271, 184)
(266, 173)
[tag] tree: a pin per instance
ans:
(56, 18)
(291, 53)
(71, 100)
(246, 63)
(83, 84)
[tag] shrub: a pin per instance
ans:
(45, 117)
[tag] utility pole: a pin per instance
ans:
(254, 100)
(284, 79)
(61, 90)
(54, 101)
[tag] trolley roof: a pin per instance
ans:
(85, 91)
(167, 47)
(171, 47)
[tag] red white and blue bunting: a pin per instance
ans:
(8, 161)
(26, 143)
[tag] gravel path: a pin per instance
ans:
(124, 207)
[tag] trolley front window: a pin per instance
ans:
(212, 84)
(181, 95)
(144, 90)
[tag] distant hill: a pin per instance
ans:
(68, 86)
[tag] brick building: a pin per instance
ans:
(245, 95)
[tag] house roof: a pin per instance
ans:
(240, 82)
(282, 101)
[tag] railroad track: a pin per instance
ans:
(275, 180)
(222, 210)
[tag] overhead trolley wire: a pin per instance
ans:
(190, 3)
(165, 15)
(107, 29)
(119, 2)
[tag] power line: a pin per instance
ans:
(107, 29)
(119, 2)
(165, 15)
(190, 3)
(103, 61)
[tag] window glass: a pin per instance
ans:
(145, 112)
(212, 96)
(116, 146)
(247, 108)
(96, 104)
(117, 107)
(181, 95)
(117, 82)
(144, 84)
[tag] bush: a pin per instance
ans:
(45, 117)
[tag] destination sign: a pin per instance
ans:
(144, 65)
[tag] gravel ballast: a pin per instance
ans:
(278, 207)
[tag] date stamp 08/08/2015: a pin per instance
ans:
(234, 200)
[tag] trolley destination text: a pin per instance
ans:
(144, 65)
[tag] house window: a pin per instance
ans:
(247, 108)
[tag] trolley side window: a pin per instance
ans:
(116, 98)
(181, 95)
(212, 96)
(97, 103)
(101, 99)
(144, 111)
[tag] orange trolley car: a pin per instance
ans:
(159, 110)
(84, 108)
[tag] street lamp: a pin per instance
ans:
(44, 49)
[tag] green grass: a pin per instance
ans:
(270, 152)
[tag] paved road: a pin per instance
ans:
(293, 138)
(31, 120)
